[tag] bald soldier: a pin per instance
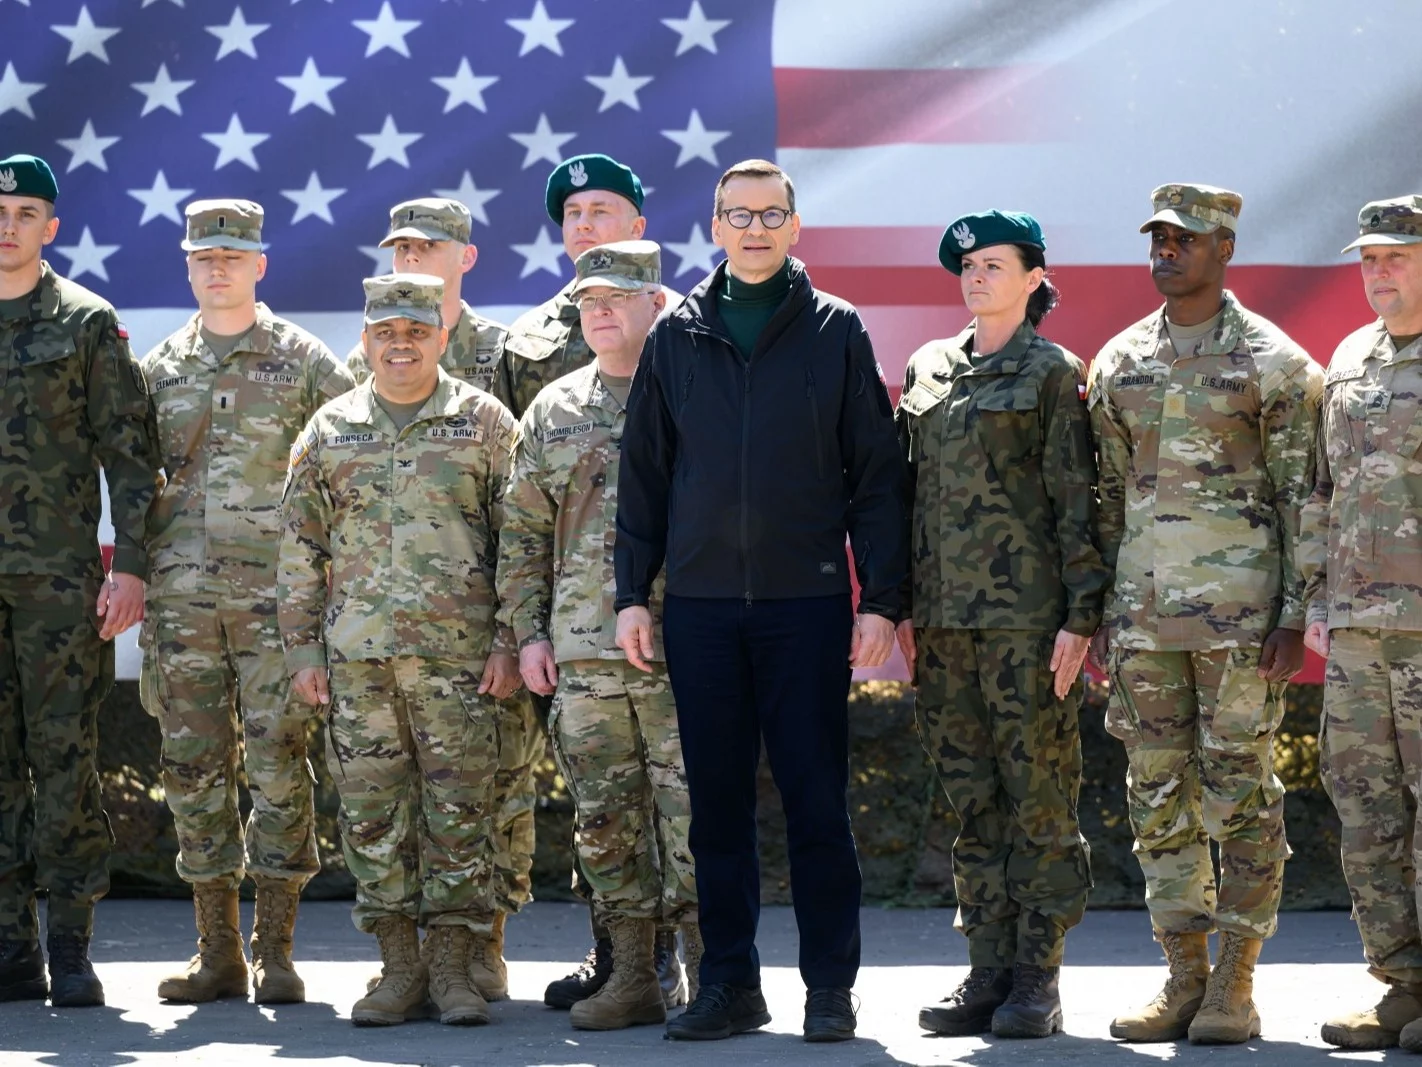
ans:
(595, 200)
(1363, 565)
(391, 518)
(1204, 416)
(613, 727)
(233, 388)
(433, 236)
(73, 402)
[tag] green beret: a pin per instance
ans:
(593, 171)
(22, 175)
(984, 229)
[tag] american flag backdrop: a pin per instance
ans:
(893, 116)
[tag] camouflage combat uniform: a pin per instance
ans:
(404, 525)
(1362, 559)
(613, 727)
(1004, 555)
(1206, 460)
(74, 400)
(213, 671)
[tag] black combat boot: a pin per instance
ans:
(719, 1011)
(669, 973)
(829, 1014)
(22, 971)
(592, 974)
(968, 1009)
(1034, 1007)
(73, 983)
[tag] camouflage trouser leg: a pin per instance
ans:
(404, 732)
(54, 675)
(615, 736)
(1199, 734)
(521, 746)
(1008, 756)
(1370, 754)
(211, 668)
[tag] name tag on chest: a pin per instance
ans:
(560, 432)
(1237, 386)
(1137, 381)
(172, 382)
(344, 440)
(455, 428)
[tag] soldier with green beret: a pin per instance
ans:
(232, 388)
(1204, 416)
(613, 728)
(1006, 586)
(74, 402)
(391, 518)
(1362, 562)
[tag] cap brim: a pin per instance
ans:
(1181, 219)
(425, 315)
(418, 233)
(233, 243)
(611, 281)
(1384, 239)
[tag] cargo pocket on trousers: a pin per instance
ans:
(482, 735)
(1123, 718)
(152, 690)
(555, 745)
(1247, 708)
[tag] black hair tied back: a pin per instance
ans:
(1046, 296)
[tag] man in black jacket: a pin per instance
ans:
(759, 433)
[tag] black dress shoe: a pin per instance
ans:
(829, 1014)
(719, 1011)
(1034, 1007)
(592, 974)
(72, 981)
(968, 1009)
(22, 971)
(669, 975)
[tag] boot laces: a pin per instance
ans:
(1027, 982)
(712, 1000)
(978, 979)
(67, 953)
(598, 958)
(829, 1001)
(1221, 987)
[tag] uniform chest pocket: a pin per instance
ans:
(52, 377)
(923, 404)
(1344, 414)
(1007, 420)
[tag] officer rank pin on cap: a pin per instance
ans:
(24, 175)
(632, 265)
(429, 219)
(417, 297)
(1390, 222)
(1197, 208)
(235, 224)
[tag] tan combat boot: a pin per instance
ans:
(219, 969)
(633, 995)
(693, 949)
(1228, 1016)
(404, 981)
(459, 1003)
(488, 972)
(274, 979)
(1381, 1025)
(1168, 1016)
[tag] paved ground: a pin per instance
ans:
(1310, 971)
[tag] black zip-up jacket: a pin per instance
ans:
(745, 475)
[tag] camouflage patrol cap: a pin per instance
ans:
(429, 219)
(591, 171)
(630, 265)
(224, 224)
(417, 297)
(1390, 222)
(24, 175)
(1197, 208)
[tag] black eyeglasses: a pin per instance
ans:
(772, 218)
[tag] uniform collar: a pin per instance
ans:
(44, 298)
(365, 409)
(257, 341)
(1006, 360)
(1384, 351)
(592, 393)
(1226, 337)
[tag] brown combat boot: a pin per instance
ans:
(1227, 1016)
(1168, 1016)
(694, 948)
(488, 973)
(1381, 1025)
(459, 1003)
(274, 979)
(219, 969)
(404, 981)
(633, 995)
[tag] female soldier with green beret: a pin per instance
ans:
(1007, 585)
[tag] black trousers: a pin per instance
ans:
(777, 669)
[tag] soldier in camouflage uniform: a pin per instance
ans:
(613, 727)
(595, 200)
(232, 390)
(1006, 593)
(432, 236)
(1362, 562)
(74, 401)
(1204, 417)
(391, 518)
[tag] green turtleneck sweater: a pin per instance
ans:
(746, 309)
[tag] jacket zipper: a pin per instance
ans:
(745, 483)
(815, 421)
